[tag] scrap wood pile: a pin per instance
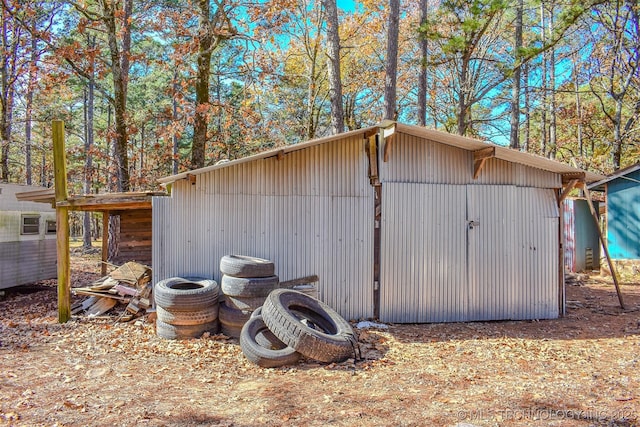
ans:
(128, 285)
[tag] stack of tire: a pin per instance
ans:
(246, 282)
(186, 307)
(291, 324)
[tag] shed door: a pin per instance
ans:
(461, 253)
(423, 259)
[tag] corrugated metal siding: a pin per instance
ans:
(569, 234)
(435, 268)
(423, 259)
(413, 159)
(623, 211)
(27, 262)
(310, 212)
(539, 254)
(580, 236)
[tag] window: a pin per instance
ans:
(30, 224)
(51, 227)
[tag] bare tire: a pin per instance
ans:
(248, 287)
(232, 320)
(244, 304)
(246, 266)
(180, 294)
(179, 332)
(261, 347)
(309, 326)
(187, 318)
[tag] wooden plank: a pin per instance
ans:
(372, 154)
(299, 281)
(62, 222)
(565, 192)
(612, 268)
(388, 142)
(479, 159)
(570, 176)
(105, 242)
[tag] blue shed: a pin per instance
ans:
(622, 190)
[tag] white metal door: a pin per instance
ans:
(423, 263)
(463, 253)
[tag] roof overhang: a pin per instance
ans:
(94, 202)
(482, 152)
(621, 173)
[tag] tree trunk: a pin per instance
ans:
(33, 76)
(527, 109)
(543, 111)
(6, 71)
(515, 94)
(463, 96)
(203, 75)
(175, 119)
(553, 143)
(424, 59)
(391, 74)
(576, 82)
(88, 146)
(333, 51)
(119, 76)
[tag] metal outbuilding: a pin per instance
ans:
(399, 222)
(622, 189)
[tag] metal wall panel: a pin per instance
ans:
(423, 256)
(623, 212)
(464, 253)
(311, 212)
(417, 160)
(27, 262)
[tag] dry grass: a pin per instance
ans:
(576, 371)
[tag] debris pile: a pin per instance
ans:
(129, 284)
(575, 279)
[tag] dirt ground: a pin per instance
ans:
(580, 370)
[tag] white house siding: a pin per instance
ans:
(311, 212)
(24, 258)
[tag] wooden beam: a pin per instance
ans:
(479, 159)
(62, 222)
(567, 189)
(372, 153)
(614, 273)
(388, 142)
(105, 242)
(567, 177)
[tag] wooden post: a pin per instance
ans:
(614, 273)
(105, 241)
(62, 222)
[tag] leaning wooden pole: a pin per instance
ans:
(62, 222)
(612, 268)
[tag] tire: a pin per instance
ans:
(232, 320)
(187, 318)
(257, 312)
(180, 332)
(261, 347)
(246, 266)
(309, 326)
(232, 331)
(180, 294)
(244, 304)
(248, 287)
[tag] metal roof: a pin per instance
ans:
(620, 173)
(94, 202)
(465, 143)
